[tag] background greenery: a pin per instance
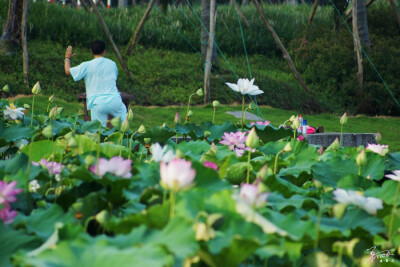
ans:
(168, 69)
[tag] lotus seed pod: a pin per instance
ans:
(215, 103)
(6, 88)
(199, 92)
(287, 148)
(147, 140)
(141, 129)
(36, 88)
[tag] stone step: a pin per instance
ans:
(349, 139)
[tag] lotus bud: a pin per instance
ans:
(36, 88)
(130, 114)
(252, 140)
(72, 142)
(339, 209)
(27, 106)
(207, 134)
(116, 122)
(80, 113)
(292, 118)
(6, 88)
(53, 113)
(164, 125)
(252, 106)
(343, 119)
(335, 145)
(51, 98)
(125, 125)
(47, 131)
(361, 158)
(60, 110)
(215, 103)
(378, 137)
(90, 159)
(177, 118)
(287, 148)
(147, 140)
(102, 217)
(263, 172)
(190, 113)
(141, 129)
(317, 184)
(201, 232)
(199, 92)
(296, 123)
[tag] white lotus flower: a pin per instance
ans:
(33, 186)
(379, 149)
(245, 87)
(369, 204)
(160, 153)
(12, 112)
(395, 176)
(177, 174)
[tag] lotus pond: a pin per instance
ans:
(73, 193)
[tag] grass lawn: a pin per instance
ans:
(389, 127)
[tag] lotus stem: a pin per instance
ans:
(242, 112)
(294, 133)
(130, 145)
(121, 141)
(77, 117)
(339, 258)
(213, 120)
(98, 153)
(359, 170)
(188, 107)
(48, 106)
(172, 207)
(341, 136)
(33, 106)
(396, 196)
(276, 160)
(248, 167)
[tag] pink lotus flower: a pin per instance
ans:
(8, 192)
(300, 138)
(211, 165)
(52, 167)
(249, 193)
(116, 165)
(379, 149)
(7, 215)
(177, 174)
(265, 123)
(395, 176)
(233, 140)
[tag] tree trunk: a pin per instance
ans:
(357, 44)
(163, 4)
(109, 37)
(285, 53)
(207, 72)
(233, 3)
(11, 37)
(340, 6)
(396, 11)
(315, 6)
(24, 31)
(139, 27)
(362, 24)
(205, 18)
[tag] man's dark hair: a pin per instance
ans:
(98, 47)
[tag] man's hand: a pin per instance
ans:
(68, 52)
